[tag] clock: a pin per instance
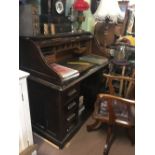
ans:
(59, 6)
(53, 7)
(53, 12)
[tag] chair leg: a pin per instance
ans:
(109, 140)
(93, 126)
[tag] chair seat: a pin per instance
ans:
(123, 114)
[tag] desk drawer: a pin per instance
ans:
(71, 121)
(71, 105)
(70, 93)
(71, 117)
(71, 126)
(71, 114)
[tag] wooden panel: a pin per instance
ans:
(25, 129)
(50, 58)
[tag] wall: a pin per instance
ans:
(89, 22)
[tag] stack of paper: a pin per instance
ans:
(64, 72)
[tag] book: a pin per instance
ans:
(64, 72)
(92, 58)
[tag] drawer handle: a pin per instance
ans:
(70, 127)
(71, 105)
(71, 117)
(72, 92)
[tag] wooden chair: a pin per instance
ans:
(114, 110)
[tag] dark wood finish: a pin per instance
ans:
(54, 103)
(54, 112)
(36, 53)
(114, 103)
(48, 7)
(49, 15)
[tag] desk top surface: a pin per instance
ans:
(70, 82)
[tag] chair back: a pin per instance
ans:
(111, 107)
(128, 85)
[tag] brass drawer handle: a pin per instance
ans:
(71, 117)
(72, 92)
(71, 105)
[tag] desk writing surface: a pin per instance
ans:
(76, 64)
(71, 82)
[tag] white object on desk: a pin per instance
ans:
(25, 128)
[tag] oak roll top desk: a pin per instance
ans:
(54, 103)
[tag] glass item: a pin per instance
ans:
(46, 30)
(80, 6)
(120, 53)
(72, 19)
(80, 19)
(52, 26)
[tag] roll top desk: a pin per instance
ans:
(54, 103)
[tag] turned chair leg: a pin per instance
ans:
(109, 140)
(93, 126)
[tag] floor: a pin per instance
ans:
(86, 143)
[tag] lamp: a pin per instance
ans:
(107, 14)
(80, 6)
(108, 11)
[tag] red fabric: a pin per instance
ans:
(80, 5)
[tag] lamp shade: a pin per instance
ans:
(80, 5)
(108, 9)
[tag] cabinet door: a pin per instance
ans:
(25, 129)
(37, 104)
(53, 112)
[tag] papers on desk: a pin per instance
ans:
(64, 72)
(92, 58)
(81, 66)
(73, 68)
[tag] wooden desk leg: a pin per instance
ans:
(121, 82)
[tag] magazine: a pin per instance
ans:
(64, 72)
